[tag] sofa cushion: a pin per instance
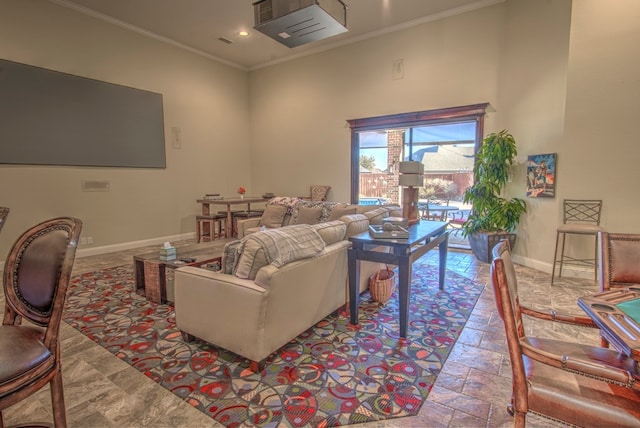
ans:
(339, 210)
(309, 215)
(277, 247)
(356, 223)
(325, 206)
(273, 216)
(331, 231)
(375, 216)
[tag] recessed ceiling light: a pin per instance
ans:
(243, 33)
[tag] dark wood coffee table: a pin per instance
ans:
(150, 272)
(423, 237)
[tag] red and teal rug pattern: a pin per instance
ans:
(333, 374)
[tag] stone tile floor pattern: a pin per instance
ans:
(472, 390)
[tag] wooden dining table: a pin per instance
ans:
(248, 200)
(617, 313)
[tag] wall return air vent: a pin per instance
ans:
(297, 22)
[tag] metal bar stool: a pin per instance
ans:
(581, 217)
(210, 226)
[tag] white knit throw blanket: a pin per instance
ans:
(286, 244)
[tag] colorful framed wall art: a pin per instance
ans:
(541, 176)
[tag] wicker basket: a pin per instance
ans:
(382, 284)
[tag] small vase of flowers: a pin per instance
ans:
(241, 192)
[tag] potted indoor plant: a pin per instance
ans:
(493, 217)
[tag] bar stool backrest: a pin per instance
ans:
(582, 211)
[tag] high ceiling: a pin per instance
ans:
(199, 24)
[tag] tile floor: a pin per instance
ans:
(472, 390)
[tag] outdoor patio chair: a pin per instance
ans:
(458, 218)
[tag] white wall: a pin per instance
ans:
(299, 108)
(531, 104)
(601, 147)
(207, 100)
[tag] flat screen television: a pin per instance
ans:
(53, 118)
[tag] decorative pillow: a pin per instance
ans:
(273, 216)
(309, 215)
(331, 231)
(230, 257)
(340, 210)
(287, 201)
(325, 206)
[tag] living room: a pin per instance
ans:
(538, 64)
(561, 76)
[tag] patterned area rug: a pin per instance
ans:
(331, 375)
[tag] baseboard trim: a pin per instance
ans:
(571, 271)
(94, 251)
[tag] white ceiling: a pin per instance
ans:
(197, 25)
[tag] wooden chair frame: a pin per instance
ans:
(47, 252)
(543, 364)
(618, 259)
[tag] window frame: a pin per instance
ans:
(473, 112)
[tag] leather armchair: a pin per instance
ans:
(569, 382)
(618, 260)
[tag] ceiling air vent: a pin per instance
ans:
(297, 22)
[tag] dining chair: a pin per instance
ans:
(580, 217)
(319, 192)
(618, 259)
(36, 277)
(503, 251)
(569, 382)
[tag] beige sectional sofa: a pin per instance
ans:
(256, 304)
(284, 211)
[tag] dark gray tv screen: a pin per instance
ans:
(53, 118)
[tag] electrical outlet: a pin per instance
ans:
(83, 241)
(89, 239)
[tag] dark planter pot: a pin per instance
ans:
(483, 242)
